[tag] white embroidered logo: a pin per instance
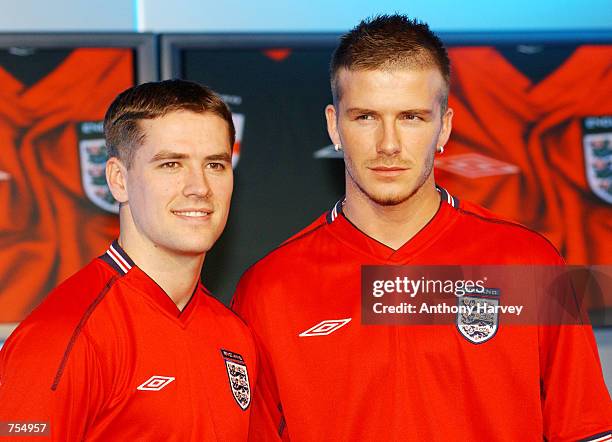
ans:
(325, 328)
(155, 383)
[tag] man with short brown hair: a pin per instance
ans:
(154, 100)
(133, 346)
(327, 376)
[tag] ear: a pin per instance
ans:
(447, 125)
(116, 177)
(332, 124)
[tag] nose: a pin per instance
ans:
(389, 143)
(196, 184)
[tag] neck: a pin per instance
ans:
(396, 224)
(177, 275)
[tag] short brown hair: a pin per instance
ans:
(388, 42)
(154, 100)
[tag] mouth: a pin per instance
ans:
(192, 213)
(388, 170)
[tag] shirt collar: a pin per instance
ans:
(117, 258)
(121, 262)
(336, 210)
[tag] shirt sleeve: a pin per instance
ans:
(51, 378)
(267, 422)
(575, 401)
(576, 404)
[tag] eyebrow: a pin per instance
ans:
(169, 155)
(419, 111)
(359, 110)
(220, 157)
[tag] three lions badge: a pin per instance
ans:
(92, 152)
(597, 145)
(238, 378)
(482, 323)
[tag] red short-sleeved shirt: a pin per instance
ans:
(108, 356)
(371, 383)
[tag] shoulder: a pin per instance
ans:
(44, 338)
(70, 300)
(516, 241)
(306, 231)
(292, 254)
(297, 246)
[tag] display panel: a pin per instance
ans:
(531, 140)
(58, 211)
(277, 87)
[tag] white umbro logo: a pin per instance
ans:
(155, 383)
(325, 328)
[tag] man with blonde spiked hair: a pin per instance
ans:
(327, 372)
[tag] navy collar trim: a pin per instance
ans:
(336, 210)
(117, 258)
(451, 200)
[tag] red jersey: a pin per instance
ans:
(354, 382)
(108, 356)
(57, 209)
(540, 152)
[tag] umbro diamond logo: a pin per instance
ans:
(155, 383)
(475, 165)
(325, 328)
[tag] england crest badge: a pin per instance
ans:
(477, 316)
(92, 152)
(597, 145)
(238, 378)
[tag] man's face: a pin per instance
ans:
(389, 123)
(180, 183)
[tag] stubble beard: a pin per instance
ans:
(394, 199)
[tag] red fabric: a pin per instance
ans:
(49, 228)
(503, 115)
(99, 336)
(411, 382)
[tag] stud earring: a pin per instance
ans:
(337, 147)
(440, 149)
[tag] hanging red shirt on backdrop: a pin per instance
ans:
(538, 152)
(58, 211)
